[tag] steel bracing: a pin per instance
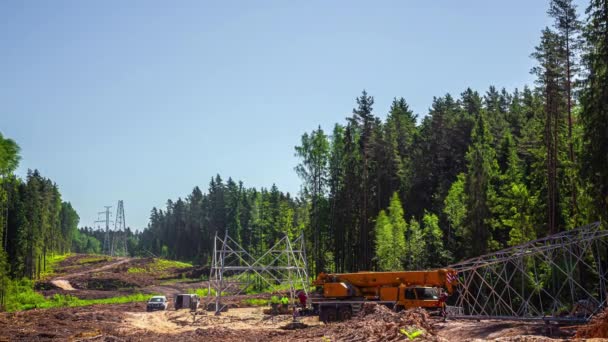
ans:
(561, 276)
(234, 270)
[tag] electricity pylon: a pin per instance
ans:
(107, 245)
(119, 241)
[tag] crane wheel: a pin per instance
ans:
(329, 315)
(345, 313)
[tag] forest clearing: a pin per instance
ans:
(94, 277)
(304, 171)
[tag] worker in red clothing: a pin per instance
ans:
(302, 297)
(443, 297)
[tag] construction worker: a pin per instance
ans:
(302, 297)
(285, 302)
(443, 297)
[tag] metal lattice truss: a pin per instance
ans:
(234, 270)
(560, 276)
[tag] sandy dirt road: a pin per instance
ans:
(63, 283)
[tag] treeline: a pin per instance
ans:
(88, 240)
(256, 219)
(479, 172)
(34, 221)
(491, 170)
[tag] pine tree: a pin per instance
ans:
(363, 121)
(594, 101)
(314, 151)
(550, 71)
(568, 27)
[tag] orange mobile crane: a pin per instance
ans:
(340, 296)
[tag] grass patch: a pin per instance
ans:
(256, 302)
(137, 270)
(203, 292)
(51, 263)
(21, 296)
(264, 288)
(93, 260)
(159, 266)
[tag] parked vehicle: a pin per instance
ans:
(186, 301)
(157, 303)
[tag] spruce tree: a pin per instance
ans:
(435, 253)
(384, 235)
(455, 209)
(399, 227)
(482, 170)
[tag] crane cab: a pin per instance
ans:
(423, 297)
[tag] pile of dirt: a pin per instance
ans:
(597, 328)
(376, 323)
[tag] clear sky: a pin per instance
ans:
(143, 100)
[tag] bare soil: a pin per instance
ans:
(130, 322)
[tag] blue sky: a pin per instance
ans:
(142, 100)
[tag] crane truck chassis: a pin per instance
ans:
(342, 295)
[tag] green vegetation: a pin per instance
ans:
(256, 302)
(93, 259)
(51, 263)
(21, 296)
(390, 236)
(203, 292)
(137, 270)
(159, 266)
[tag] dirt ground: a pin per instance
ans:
(131, 322)
(87, 277)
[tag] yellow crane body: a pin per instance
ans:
(340, 295)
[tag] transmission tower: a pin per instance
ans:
(107, 245)
(561, 277)
(119, 242)
(234, 270)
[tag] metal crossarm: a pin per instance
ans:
(561, 276)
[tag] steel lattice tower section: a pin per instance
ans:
(119, 240)
(561, 277)
(234, 270)
(107, 243)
